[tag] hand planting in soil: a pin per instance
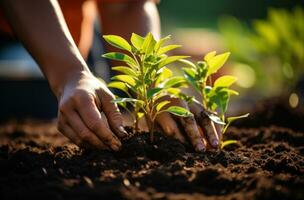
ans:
(145, 75)
(214, 96)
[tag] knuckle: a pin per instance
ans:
(107, 139)
(93, 124)
(79, 96)
(85, 135)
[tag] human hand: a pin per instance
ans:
(81, 102)
(200, 130)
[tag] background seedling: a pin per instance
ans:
(145, 76)
(214, 95)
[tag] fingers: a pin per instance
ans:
(190, 127)
(192, 131)
(209, 128)
(86, 136)
(92, 119)
(112, 113)
(169, 126)
(68, 132)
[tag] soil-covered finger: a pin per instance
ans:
(209, 129)
(112, 113)
(169, 126)
(79, 127)
(192, 131)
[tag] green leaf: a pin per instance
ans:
(140, 115)
(125, 70)
(215, 118)
(189, 74)
(121, 57)
(187, 62)
(176, 81)
(179, 111)
(228, 142)
(148, 44)
(118, 85)
(126, 79)
(161, 105)
(161, 42)
(221, 99)
(137, 41)
(122, 100)
(165, 49)
(225, 81)
(118, 42)
(216, 62)
(171, 59)
(209, 55)
(232, 119)
(164, 73)
(151, 92)
(173, 91)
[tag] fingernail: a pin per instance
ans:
(122, 131)
(115, 147)
(201, 147)
(215, 143)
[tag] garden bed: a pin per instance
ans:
(38, 163)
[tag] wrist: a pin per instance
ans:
(67, 75)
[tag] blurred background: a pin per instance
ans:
(265, 38)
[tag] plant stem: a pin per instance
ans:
(150, 124)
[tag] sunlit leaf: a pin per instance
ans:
(125, 70)
(120, 57)
(118, 42)
(121, 100)
(179, 111)
(216, 62)
(171, 59)
(125, 78)
(151, 92)
(228, 142)
(209, 55)
(164, 73)
(161, 105)
(161, 42)
(165, 49)
(140, 115)
(215, 118)
(176, 81)
(225, 81)
(148, 44)
(118, 85)
(232, 119)
(137, 41)
(188, 63)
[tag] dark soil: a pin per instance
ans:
(38, 163)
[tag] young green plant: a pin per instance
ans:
(145, 78)
(215, 95)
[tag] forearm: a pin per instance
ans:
(41, 28)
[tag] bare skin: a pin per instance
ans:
(86, 114)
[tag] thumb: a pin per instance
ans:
(112, 113)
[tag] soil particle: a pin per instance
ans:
(38, 163)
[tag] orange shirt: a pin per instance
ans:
(73, 13)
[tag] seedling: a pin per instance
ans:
(214, 96)
(145, 76)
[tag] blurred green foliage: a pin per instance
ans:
(205, 13)
(273, 47)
